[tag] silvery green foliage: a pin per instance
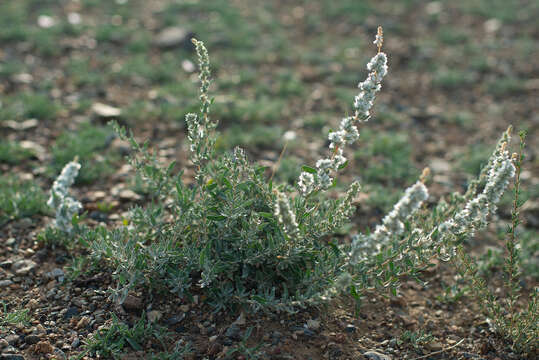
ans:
(407, 238)
(247, 242)
(63, 204)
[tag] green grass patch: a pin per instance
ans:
(507, 86)
(257, 137)
(90, 144)
(27, 106)
(385, 158)
(452, 35)
(19, 199)
(506, 11)
(474, 158)
(452, 79)
(15, 317)
(385, 163)
(253, 111)
(12, 153)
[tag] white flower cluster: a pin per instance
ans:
(345, 209)
(200, 128)
(474, 215)
(65, 206)
(284, 214)
(195, 131)
(348, 132)
(365, 100)
(392, 224)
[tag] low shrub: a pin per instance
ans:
(245, 242)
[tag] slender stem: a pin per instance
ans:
(513, 256)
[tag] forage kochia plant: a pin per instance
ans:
(64, 205)
(473, 216)
(249, 243)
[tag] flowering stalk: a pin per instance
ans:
(500, 170)
(200, 127)
(65, 206)
(472, 188)
(519, 327)
(312, 180)
(363, 246)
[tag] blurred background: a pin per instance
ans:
(460, 72)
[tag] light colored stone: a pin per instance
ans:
(105, 110)
(171, 36)
(21, 125)
(373, 355)
(23, 267)
(4, 283)
(434, 346)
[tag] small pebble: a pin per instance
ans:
(13, 339)
(71, 312)
(350, 328)
(31, 339)
(373, 355)
(233, 332)
(174, 319)
(6, 264)
(5, 283)
(59, 354)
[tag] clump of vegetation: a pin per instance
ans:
(27, 106)
(19, 199)
(90, 145)
(15, 317)
(416, 339)
(519, 327)
(111, 340)
(12, 153)
(248, 243)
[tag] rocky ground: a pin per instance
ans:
(460, 73)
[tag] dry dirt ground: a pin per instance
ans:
(460, 73)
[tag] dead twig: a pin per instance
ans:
(439, 351)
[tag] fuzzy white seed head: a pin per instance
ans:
(306, 183)
(65, 206)
(284, 214)
(324, 164)
(392, 224)
(348, 132)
